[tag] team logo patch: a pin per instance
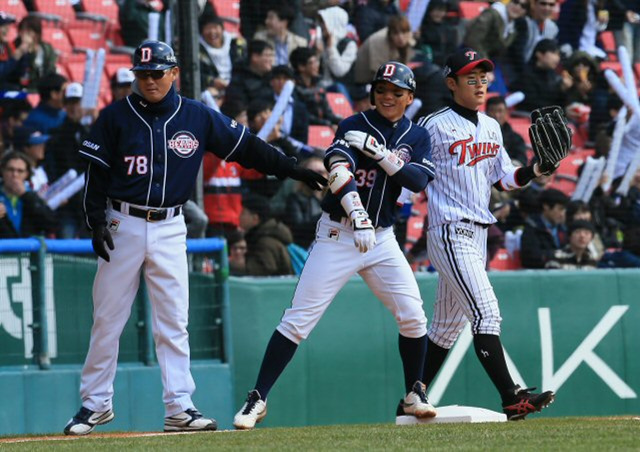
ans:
(403, 152)
(471, 153)
(114, 224)
(334, 234)
(184, 144)
(464, 232)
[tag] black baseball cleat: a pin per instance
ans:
(525, 402)
(86, 420)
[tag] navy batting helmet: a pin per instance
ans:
(396, 73)
(153, 56)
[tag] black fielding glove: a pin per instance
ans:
(550, 137)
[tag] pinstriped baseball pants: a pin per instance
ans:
(458, 252)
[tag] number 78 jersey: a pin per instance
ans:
(469, 157)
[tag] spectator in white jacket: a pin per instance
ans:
(338, 51)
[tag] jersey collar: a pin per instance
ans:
(377, 118)
(167, 104)
(466, 113)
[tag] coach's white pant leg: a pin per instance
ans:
(389, 276)
(448, 317)
(167, 279)
(333, 259)
(458, 252)
(114, 290)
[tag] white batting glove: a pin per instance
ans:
(367, 144)
(364, 235)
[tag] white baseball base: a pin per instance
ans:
(455, 413)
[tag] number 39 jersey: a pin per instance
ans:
(379, 191)
(467, 151)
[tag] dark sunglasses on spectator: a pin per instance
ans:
(156, 75)
(523, 4)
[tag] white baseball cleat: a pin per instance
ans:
(416, 404)
(190, 420)
(252, 412)
(86, 420)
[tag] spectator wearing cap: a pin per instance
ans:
(437, 32)
(295, 119)
(276, 32)
(360, 97)
(49, 113)
(540, 83)
(338, 50)
(392, 43)
(546, 232)
(576, 254)
(267, 239)
(121, 84)
(32, 142)
(62, 155)
(306, 66)
(41, 56)
(13, 60)
(219, 51)
(22, 212)
(251, 80)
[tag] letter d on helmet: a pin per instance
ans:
(396, 73)
(153, 56)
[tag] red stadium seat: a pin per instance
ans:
(613, 65)
(12, 33)
(504, 261)
(14, 8)
(227, 8)
(87, 37)
(471, 9)
(609, 44)
(58, 39)
(320, 136)
(521, 125)
(340, 104)
(106, 8)
(61, 8)
(565, 178)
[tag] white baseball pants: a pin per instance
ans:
(333, 260)
(158, 248)
(459, 252)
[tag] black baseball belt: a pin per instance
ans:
(482, 225)
(150, 215)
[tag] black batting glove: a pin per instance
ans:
(100, 236)
(314, 180)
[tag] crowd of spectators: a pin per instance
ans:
(549, 50)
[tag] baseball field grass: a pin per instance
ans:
(571, 434)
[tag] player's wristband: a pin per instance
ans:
(391, 163)
(524, 175)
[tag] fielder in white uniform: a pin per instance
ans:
(469, 157)
(373, 155)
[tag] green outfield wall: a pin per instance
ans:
(577, 333)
